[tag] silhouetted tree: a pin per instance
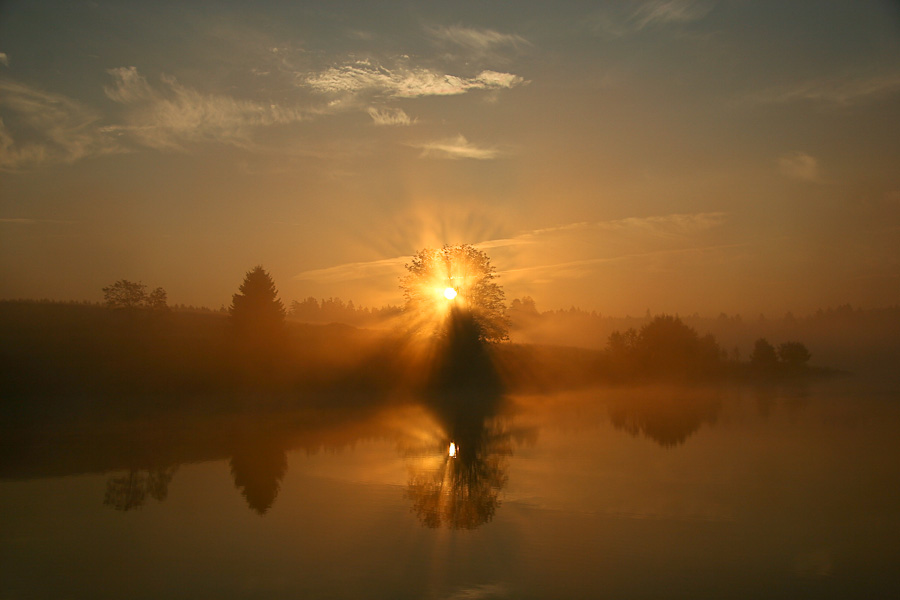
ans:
(256, 312)
(307, 310)
(129, 295)
(793, 355)
(623, 343)
(522, 312)
(664, 347)
(156, 300)
(469, 273)
(763, 356)
(125, 294)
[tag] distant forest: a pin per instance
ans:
(335, 310)
(855, 339)
(84, 348)
(844, 337)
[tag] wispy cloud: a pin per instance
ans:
(355, 270)
(456, 148)
(680, 227)
(678, 224)
(575, 269)
(389, 116)
(802, 166)
(171, 115)
(578, 250)
(4, 59)
(47, 128)
(404, 82)
(477, 43)
(661, 226)
(837, 91)
(670, 11)
(621, 19)
(533, 236)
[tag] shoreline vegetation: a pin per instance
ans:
(137, 392)
(136, 354)
(91, 351)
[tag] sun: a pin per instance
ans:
(449, 281)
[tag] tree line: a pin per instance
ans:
(130, 296)
(446, 280)
(668, 348)
(663, 346)
(335, 310)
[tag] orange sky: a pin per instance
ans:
(674, 155)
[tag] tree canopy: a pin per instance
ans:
(466, 271)
(256, 311)
(664, 347)
(129, 295)
(794, 354)
(763, 355)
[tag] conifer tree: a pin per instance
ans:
(256, 312)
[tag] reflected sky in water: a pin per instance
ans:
(738, 492)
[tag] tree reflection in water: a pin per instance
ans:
(258, 466)
(129, 491)
(461, 491)
(667, 416)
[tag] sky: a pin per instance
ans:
(676, 156)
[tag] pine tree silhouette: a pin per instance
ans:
(256, 312)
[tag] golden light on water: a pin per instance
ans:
(449, 293)
(452, 450)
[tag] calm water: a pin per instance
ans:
(625, 493)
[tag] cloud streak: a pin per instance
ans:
(835, 91)
(579, 268)
(355, 270)
(389, 116)
(681, 226)
(800, 165)
(623, 19)
(661, 226)
(477, 44)
(456, 148)
(47, 128)
(670, 11)
(403, 82)
(172, 115)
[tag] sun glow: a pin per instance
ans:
(452, 280)
(452, 450)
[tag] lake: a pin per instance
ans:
(788, 490)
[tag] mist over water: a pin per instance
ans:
(433, 467)
(560, 494)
